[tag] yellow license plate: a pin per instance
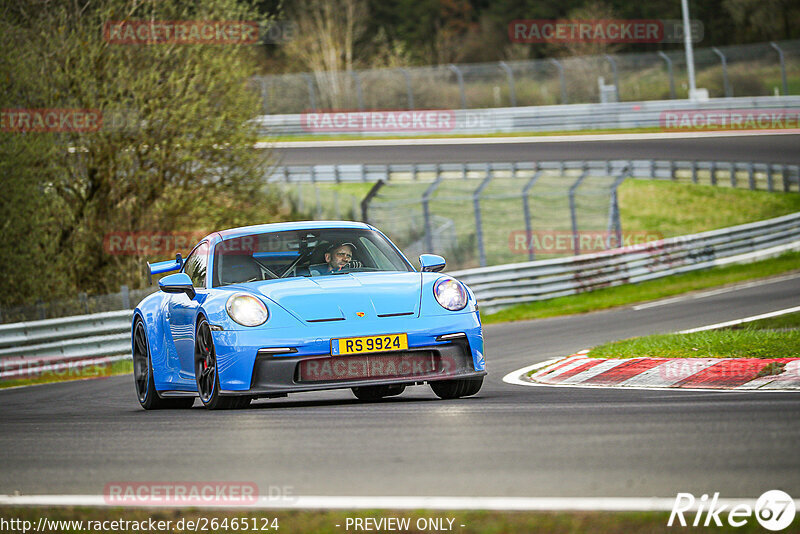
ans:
(360, 345)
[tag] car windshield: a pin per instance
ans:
(295, 253)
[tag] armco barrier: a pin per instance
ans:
(573, 117)
(504, 285)
(108, 334)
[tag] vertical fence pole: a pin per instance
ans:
(562, 82)
(264, 95)
(512, 94)
(783, 67)
(613, 63)
(668, 61)
(770, 186)
(573, 215)
(694, 172)
(614, 222)
(725, 81)
(367, 199)
(359, 92)
(476, 201)
(126, 297)
(785, 176)
(409, 92)
(460, 78)
(527, 212)
(751, 176)
(713, 171)
(733, 175)
(426, 212)
(312, 98)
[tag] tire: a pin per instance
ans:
(143, 375)
(453, 389)
(206, 373)
(374, 393)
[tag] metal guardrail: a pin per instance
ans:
(108, 334)
(82, 336)
(645, 114)
(504, 285)
(752, 175)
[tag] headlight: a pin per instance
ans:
(247, 310)
(450, 294)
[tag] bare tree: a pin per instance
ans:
(325, 41)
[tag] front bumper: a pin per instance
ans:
(243, 371)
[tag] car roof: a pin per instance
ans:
(279, 227)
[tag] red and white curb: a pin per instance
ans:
(735, 374)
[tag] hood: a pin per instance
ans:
(341, 296)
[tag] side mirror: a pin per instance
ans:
(177, 283)
(431, 263)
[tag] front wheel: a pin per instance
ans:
(207, 374)
(143, 375)
(453, 389)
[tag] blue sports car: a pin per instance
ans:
(264, 311)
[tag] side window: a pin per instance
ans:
(195, 265)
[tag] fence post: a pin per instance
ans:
(476, 201)
(562, 82)
(751, 176)
(726, 83)
(785, 176)
(694, 171)
(264, 94)
(616, 74)
(713, 171)
(41, 310)
(512, 94)
(668, 61)
(770, 186)
(777, 48)
(614, 221)
(410, 93)
(312, 99)
(426, 212)
(460, 78)
(527, 212)
(359, 93)
(367, 199)
(575, 240)
(126, 297)
(733, 175)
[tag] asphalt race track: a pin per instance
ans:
(509, 440)
(783, 148)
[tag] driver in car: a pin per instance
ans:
(337, 258)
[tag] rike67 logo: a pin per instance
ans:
(774, 510)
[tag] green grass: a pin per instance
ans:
(781, 322)
(654, 289)
(745, 343)
(674, 208)
(120, 367)
(324, 522)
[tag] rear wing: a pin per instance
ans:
(162, 267)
